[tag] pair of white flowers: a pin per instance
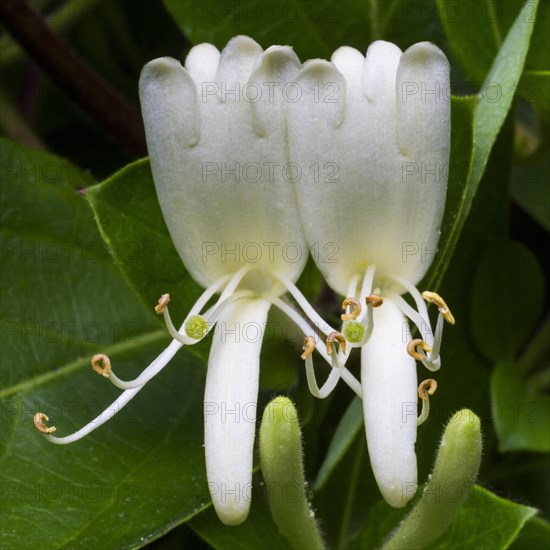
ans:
(256, 159)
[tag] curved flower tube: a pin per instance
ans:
(377, 131)
(218, 154)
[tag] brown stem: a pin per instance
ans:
(72, 75)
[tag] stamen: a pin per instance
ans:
(413, 351)
(162, 308)
(336, 372)
(196, 327)
(354, 331)
(39, 419)
(309, 347)
(104, 370)
(374, 300)
(354, 312)
(413, 291)
(301, 300)
(436, 299)
(438, 338)
(335, 336)
(162, 303)
(425, 389)
(433, 362)
(295, 316)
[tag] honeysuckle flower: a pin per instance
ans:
(378, 130)
(239, 236)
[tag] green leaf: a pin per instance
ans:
(63, 300)
(535, 534)
(507, 299)
(344, 436)
(131, 222)
(462, 132)
(476, 31)
(489, 110)
(520, 415)
(485, 521)
(313, 29)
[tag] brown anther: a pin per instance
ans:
(413, 351)
(163, 302)
(354, 312)
(335, 336)
(309, 346)
(39, 419)
(98, 360)
(436, 299)
(426, 388)
(373, 300)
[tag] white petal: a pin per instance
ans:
(169, 104)
(230, 400)
(313, 126)
(225, 199)
(278, 64)
(424, 135)
(202, 63)
(388, 378)
(236, 63)
(368, 210)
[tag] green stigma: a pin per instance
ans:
(196, 327)
(353, 331)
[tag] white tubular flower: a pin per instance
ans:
(218, 144)
(376, 134)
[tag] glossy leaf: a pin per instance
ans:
(485, 521)
(489, 113)
(476, 31)
(313, 29)
(131, 222)
(535, 534)
(63, 300)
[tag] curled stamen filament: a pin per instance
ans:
(39, 421)
(201, 326)
(97, 360)
(346, 375)
(309, 346)
(425, 389)
(412, 349)
(443, 308)
(432, 361)
(330, 383)
(162, 303)
(354, 312)
(374, 300)
(339, 337)
(122, 400)
(181, 335)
